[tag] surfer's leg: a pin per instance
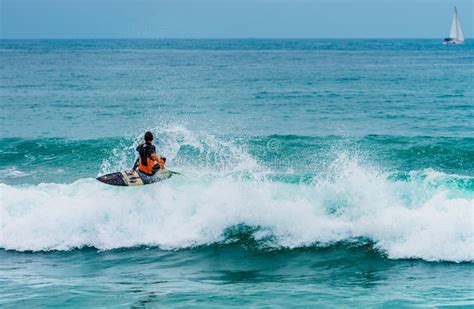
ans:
(155, 168)
(145, 178)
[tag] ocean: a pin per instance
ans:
(315, 173)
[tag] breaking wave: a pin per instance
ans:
(423, 214)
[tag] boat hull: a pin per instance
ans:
(451, 41)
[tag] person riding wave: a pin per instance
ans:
(148, 162)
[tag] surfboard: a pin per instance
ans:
(126, 178)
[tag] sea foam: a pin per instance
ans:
(420, 216)
(185, 212)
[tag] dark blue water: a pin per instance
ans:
(315, 172)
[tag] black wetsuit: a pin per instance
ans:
(145, 150)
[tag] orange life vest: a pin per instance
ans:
(146, 164)
(147, 168)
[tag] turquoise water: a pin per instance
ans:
(315, 173)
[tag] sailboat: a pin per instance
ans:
(455, 35)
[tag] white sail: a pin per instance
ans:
(458, 26)
(456, 32)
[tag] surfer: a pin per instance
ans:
(148, 162)
(149, 168)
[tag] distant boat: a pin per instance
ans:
(455, 35)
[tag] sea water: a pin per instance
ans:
(314, 173)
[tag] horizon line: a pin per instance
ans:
(235, 38)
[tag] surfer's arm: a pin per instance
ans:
(135, 165)
(161, 161)
(154, 157)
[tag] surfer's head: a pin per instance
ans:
(148, 136)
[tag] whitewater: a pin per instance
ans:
(424, 216)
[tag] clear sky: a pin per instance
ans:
(232, 18)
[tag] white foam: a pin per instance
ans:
(12, 172)
(423, 217)
(405, 219)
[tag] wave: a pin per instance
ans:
(331, 195)
(423, 217)
(32, 161)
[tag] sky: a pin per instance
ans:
(232, 18)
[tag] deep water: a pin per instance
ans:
(314, 172)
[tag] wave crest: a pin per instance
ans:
(419, 216)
